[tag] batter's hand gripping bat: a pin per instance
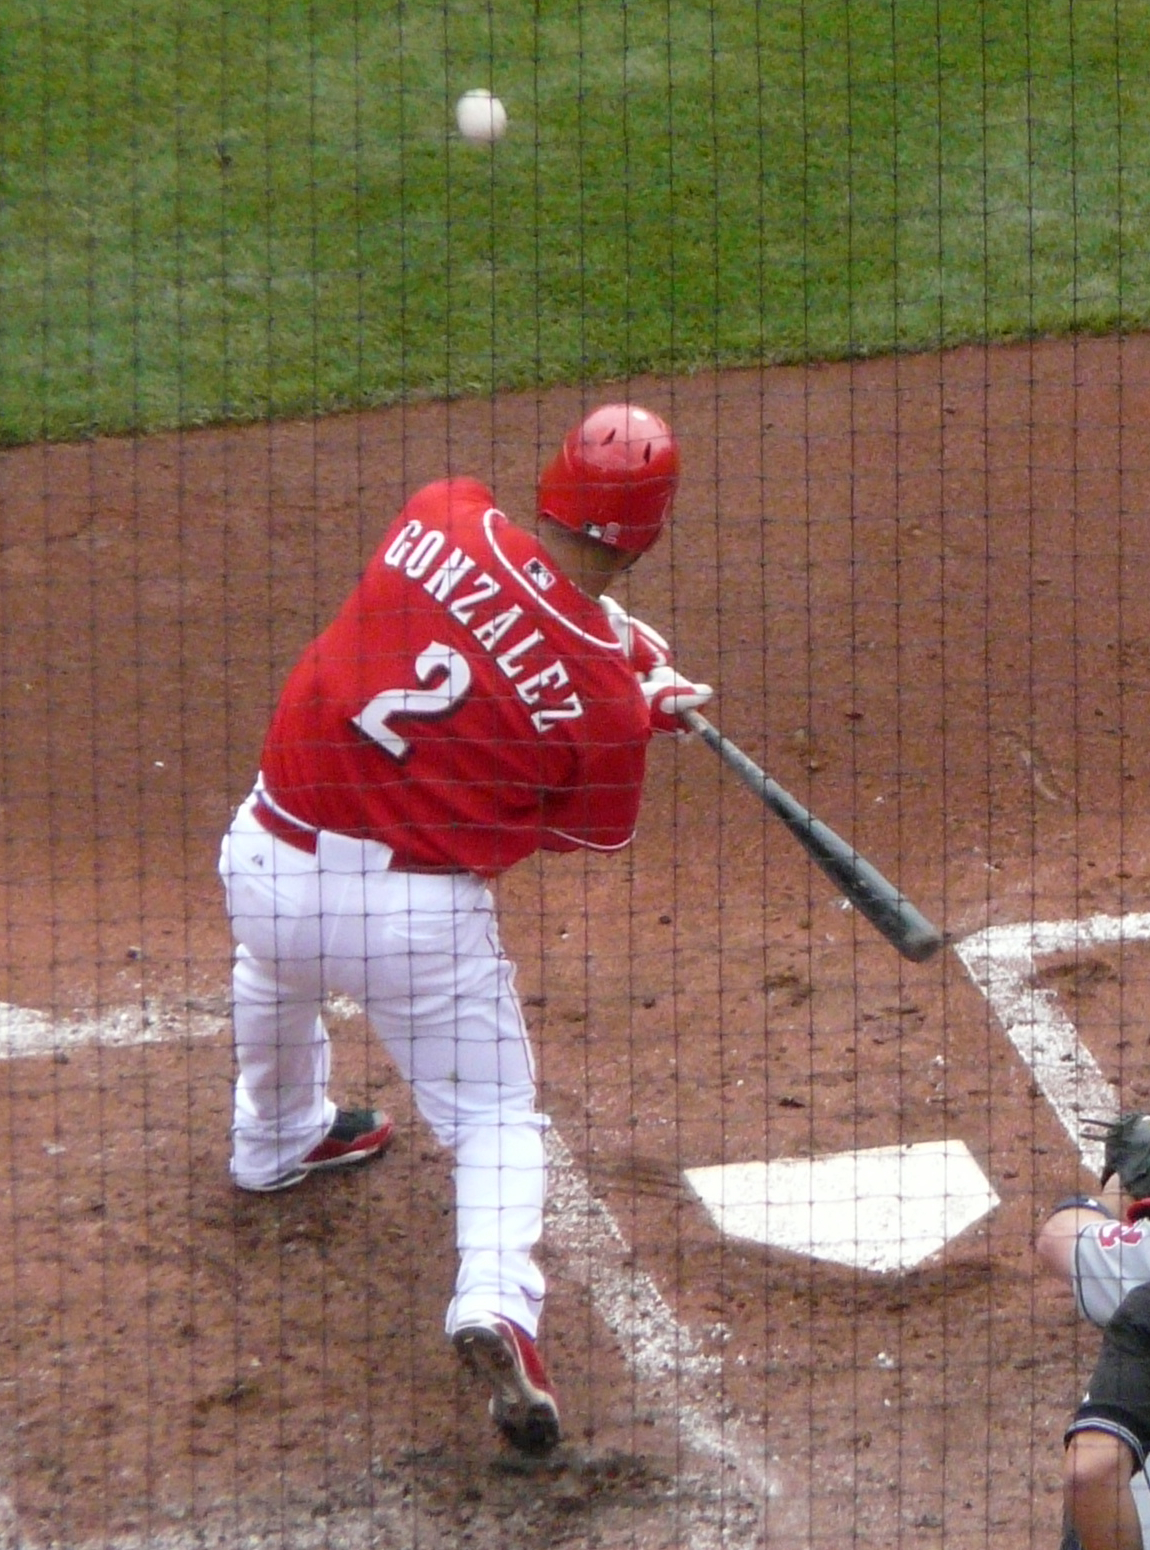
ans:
(873, 895)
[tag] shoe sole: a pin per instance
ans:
(529, 1423)
(285, 1181)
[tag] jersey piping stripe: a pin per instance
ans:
(577, 839)
(614, 644)
(266, 797)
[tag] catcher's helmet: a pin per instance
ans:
(614, 478)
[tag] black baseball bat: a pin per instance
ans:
(873, 895)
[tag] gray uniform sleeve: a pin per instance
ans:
(1111, 1258)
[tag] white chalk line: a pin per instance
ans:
(25, 1033)
(675, 1380)
(1002, 960)
(682, 1383)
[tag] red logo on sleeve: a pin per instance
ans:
(1115, 1233)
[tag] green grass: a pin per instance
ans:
(245, 208)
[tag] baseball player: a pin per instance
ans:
(475, 700)
(1106, 1260)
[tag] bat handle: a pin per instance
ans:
(698, 723)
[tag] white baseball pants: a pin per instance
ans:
(421, 955)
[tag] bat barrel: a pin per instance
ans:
(872, 894)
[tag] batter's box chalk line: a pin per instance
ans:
(1002, 960)
(25, 1032)
(674, 1379)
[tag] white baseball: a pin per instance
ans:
(480, 116)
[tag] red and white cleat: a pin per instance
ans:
(522, 1403)
(356, 1136)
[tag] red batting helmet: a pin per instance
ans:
(614, 478)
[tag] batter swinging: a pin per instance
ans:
(473, 701)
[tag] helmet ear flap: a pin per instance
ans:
(614, 478)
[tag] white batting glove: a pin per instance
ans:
(645, 648)
(668, 695)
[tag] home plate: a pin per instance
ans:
(888, 1208)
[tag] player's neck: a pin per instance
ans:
(591, 566)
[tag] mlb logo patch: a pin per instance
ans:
(536, 571)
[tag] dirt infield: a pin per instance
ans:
(922, 590)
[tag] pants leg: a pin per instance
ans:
(283, 1057)
(500, 1186)
(452, 1022)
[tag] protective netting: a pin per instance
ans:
(882, 270)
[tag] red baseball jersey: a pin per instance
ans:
(467, 706)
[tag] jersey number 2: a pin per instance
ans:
(436, 662)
